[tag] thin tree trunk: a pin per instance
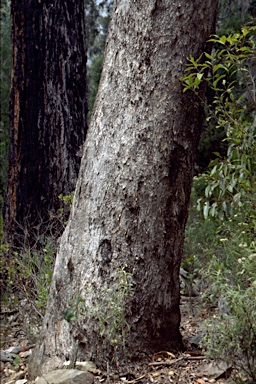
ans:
(48, 108)
(132, 196)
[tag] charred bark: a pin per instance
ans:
(48, 108)
(132, 196)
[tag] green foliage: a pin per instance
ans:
(111, 312)
(98, 17)
(108, 310)
(97, 20)
(67, 199)
(28, 274)
(94, 74)
(232, 15)
(231, 334)
(59, 218)
(92, 26)
(229, 72)
(16, 363)
(220, 236)
(221, 254)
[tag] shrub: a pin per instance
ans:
(26, 271)
(223, 253)
(229, 73)
(231, 334)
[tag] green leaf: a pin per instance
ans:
(230, 188)
(219, 53)
(217, 80)
(192, 60)
(244, 31)
(213, 171)
(69, 315)
(216, 67)
(224, 206)
(206, 209)
(214, 40)
(245, 49)
(199, 205)
(213, 209)
(208, 56)
(208, 191)
(223, 39)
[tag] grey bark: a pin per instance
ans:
(132, 195)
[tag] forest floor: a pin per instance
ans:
(190, 367)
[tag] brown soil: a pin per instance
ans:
(164, 367)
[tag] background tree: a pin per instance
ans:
(48, 108)
(131, 202)
(5, 70)
(234, 13)
(97, 20)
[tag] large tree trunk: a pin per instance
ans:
(48, 108)
(131, 200)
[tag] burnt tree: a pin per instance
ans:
(48, 108)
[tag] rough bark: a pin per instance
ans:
(48, 108)
(132, 195)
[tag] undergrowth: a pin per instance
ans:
(26, 270)
(220, 246)
(221, 256)
(108, 311)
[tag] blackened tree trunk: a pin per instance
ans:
(132, 196)
(48, 107)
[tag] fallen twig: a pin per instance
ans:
(134, 381)
(171, 362)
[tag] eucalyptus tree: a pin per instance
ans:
(115, 288)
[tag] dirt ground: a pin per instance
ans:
(165, 367)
